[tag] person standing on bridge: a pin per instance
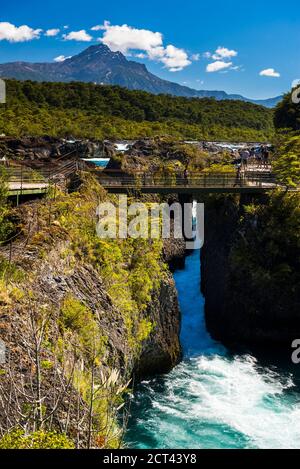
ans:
(186, 176)
(252, 155)
(238, 179)
(259, 157)
(244, 157)
(265, 157)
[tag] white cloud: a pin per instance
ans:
(269, 72)
(10, 32)
(61, 58)
(223, 53)
(99, 27)
(238, 68)
(173, 58)
(217, 66)
(123, 38)
(126, 39)
(52, 32)
(81, 36)
(207, 55)
(140, 56)
(195, 57)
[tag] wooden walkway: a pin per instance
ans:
(27, 188)
(24, 181)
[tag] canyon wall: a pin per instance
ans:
(250, 269)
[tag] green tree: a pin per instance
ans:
(287, 114)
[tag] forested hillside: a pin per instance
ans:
(88, 110)
(287, 113)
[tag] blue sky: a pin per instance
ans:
(214, 45)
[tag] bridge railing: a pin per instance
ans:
(24, 175)
(199, 180)
(21, 174)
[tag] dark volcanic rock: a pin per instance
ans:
(162, 350)
(239, 307)
(48, 149)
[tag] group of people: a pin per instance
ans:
(255, 155)
(259, 156)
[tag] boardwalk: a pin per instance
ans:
(27, 188)
(25, 181)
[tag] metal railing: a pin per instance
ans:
(114, 179)
(22, 180)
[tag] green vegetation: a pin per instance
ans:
(287, 114)
(287, 123)
(95, 111)
(130, 268)
(263, 276)
(5, 224)
(287, 162)
(37, 440)
(75, 350)
(267, 256)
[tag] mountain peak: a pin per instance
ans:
(99, 64)
(95, 49)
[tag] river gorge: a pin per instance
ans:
(233, 306)
(215, 398)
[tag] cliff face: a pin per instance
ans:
(220, 225)
(161, 351)
(79, 318)
(55, 280)
(250, 270)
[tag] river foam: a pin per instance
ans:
(213, 399)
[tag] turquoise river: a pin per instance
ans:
(215, 398)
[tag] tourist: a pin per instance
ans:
(186, 176)
(252, 155)
(238, 179)
(265, 157)
(244, 157)
(259, 157)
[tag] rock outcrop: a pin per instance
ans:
(162, 350)
(49, 149)
(102, 313)
(250, 270)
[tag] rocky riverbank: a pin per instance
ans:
(44, 150)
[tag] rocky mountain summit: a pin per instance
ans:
(98, 64)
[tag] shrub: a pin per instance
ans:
(17, 439)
